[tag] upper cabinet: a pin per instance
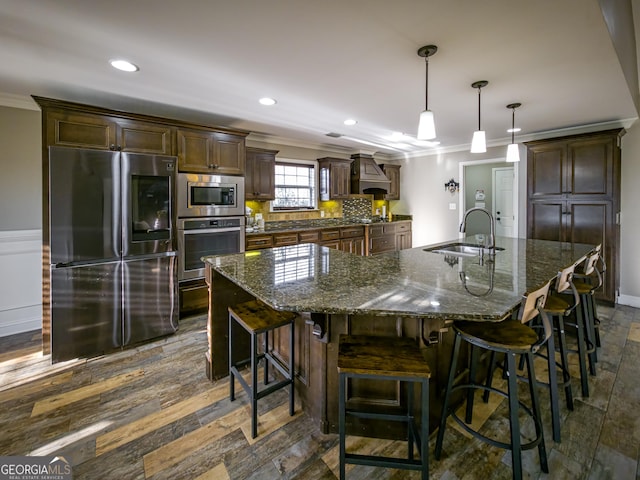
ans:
(392, 172)
(201, 148)
(206, 151)
(104, 132)
(260, 174)
(335, 178)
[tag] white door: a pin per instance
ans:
(503, 201)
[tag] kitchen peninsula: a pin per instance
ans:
(413, 292)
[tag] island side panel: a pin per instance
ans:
(222, 294)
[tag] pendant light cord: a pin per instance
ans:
(426, 84)
(479, 88)
(513, 124)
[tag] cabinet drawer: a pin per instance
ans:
(259, 241)
(281, 239)
(385, 243)
(403, 227)
(309, 237)
(352, 232)
(379, 230)
(329, 235)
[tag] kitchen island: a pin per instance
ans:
(415, 293)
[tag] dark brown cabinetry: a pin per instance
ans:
(387, 237)
(574, 194)
(392, 172)
(207, 151)
(259, 180)
(76, 125)
(103, 132)
(352, 240)
(335, 178)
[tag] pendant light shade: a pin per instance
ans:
(427, 125)
(513, 152)
(479, 143)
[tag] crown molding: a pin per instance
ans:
(625, 123)
(24, 102)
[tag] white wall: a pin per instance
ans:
(630, 219)
(423, 194)
(20, 220)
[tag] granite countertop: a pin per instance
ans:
(413, 282)
(301, 225)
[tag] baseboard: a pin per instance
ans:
(20, 320)
(629, 300)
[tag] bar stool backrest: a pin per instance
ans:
(592, 259)
(563, 280)
(590, 265)
(532, 303)
(531, 307)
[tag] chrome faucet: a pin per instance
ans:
(492, 226)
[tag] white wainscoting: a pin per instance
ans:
(21, 281)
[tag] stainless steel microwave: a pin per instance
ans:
(203, 195)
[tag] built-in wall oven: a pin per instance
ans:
(203, 195)
(199, 237)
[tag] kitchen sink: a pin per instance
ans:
(463, 249)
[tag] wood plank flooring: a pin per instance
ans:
(150, 413)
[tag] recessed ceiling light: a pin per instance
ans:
(350, 121)
(514, 130)
(124, 65)
(267, 101)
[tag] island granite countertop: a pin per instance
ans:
(413, 282)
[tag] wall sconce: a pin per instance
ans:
(452, 186)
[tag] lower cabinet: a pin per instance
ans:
(388, 237)
(194, 297)
(356, 239)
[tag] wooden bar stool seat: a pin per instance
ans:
(385, 358)
(510, 337)
(256, 318)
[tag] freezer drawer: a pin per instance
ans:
(86, 310)
(150, 289)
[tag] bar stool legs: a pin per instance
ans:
(257, 318)
(359, 357)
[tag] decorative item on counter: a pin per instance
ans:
(259, 221)
(384, 212)
(452, 186)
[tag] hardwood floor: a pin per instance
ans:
(150, 412)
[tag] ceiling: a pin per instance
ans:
(324, 61)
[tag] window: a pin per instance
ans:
(295, 186)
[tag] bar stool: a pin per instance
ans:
(511, 337)
(558, 309)
(257, 318)
(385, 358)
(587, 284)
(564, 312)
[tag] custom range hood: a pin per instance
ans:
(367, 177)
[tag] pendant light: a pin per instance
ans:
(479, 143)
(513, 152)
(427, 125)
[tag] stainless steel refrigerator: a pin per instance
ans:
(113, 262)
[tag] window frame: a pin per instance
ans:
(316, 184)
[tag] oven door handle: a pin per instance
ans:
(211, 230)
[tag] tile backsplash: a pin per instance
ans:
(357, 206)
